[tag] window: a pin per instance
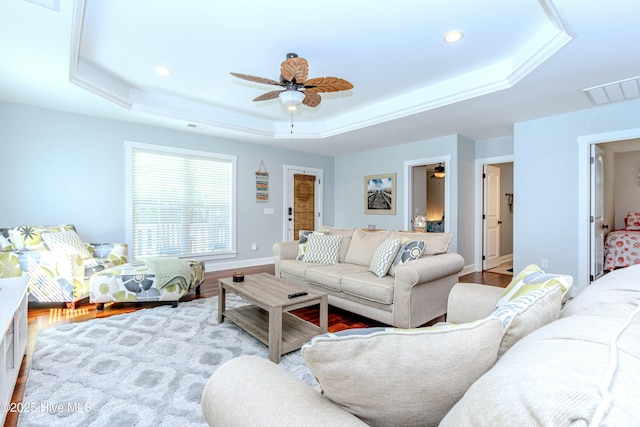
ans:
(180, 202)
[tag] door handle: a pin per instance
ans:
(605, 226)
(499, 222)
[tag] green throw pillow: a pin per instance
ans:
(531, 278)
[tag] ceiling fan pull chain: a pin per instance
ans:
(291, 122)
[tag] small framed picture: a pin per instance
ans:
(380, 194)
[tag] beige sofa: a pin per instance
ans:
(581, 369)
(412, 294)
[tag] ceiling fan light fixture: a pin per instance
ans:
(439, 171)
(291, 98)
(163, 71)
(453, 36)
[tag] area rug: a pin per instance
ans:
(146, 368)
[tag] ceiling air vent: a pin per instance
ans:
(614, 92)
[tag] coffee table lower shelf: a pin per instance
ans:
(253, 319)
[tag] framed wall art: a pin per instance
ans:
(380, 194)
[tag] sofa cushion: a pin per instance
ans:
(530, 278)
(383, 257)
(302, 241)
(402, 377)
(363, 245)
(618, 286)
(579, 370)
(329, 276)
(409, 250)
(346, 233)
(527, 313)
(322, 249)
(368, 286)
(66, 241)
(435, 243)
(296, 268)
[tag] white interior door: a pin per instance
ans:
(597, 212)
(491, 217)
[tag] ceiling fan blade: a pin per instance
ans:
(297, 68)
(311, 99)
(256, 79)
(269, 95)
(327, 84)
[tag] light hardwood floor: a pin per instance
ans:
(42, 317)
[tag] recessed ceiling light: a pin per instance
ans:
(163, 71)
(453, 36)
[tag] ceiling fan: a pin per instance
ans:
(297, 88)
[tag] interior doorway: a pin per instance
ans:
(427, 194)
(607, 140)
(494, 210)
(614, 182)
(303, 200)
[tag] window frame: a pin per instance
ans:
(131, 146)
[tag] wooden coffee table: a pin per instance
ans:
(267, 318)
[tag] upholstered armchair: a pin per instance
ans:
(58, 262)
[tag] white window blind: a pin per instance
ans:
(182, 202)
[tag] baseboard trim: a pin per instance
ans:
(506, 258)
(467, 269)
(231, 265)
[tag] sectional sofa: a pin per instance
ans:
(541, 365)
(411, 291)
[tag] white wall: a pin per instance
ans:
(546, 183)
(57, 167)
(351, 169)
(627, 186)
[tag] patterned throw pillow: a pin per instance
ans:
(409, 250)
(29, 237)
(384, 256)
(380, 374)
(302, 241)
(66, 241)
(323, 248)
(531, 278)
(632, 221)
(527, 313)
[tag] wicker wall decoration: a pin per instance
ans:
(262, 183)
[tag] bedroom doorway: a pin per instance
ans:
(612, 196)
(621, 191)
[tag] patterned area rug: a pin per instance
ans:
(146, 368)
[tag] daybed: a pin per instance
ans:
(58, 262)
(397, 278)
(581, 369)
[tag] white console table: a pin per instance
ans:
(13, 335)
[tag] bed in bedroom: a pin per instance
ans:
(622, 247)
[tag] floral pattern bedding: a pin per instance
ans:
(622, 249)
